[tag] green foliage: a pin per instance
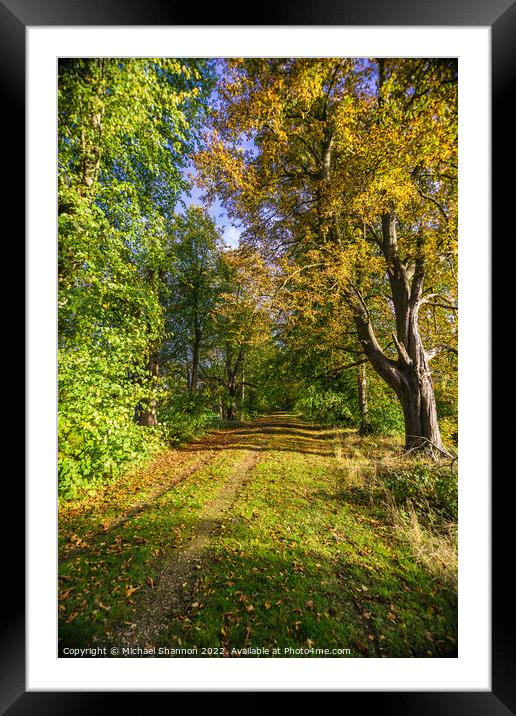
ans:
(427, 487)
(192, 285)
(449, 430)
(385, 415)
(339, 404)
(324, 407)
(185, 416)
(125, 128)
(97, 433)
(447, 403)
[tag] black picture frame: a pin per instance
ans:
(500, 16)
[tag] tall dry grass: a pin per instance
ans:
(364, 463)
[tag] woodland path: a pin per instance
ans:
(258, 536)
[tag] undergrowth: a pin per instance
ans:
(420, 496)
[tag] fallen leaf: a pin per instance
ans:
(130, 590)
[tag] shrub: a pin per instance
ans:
(185, 416)
(385, 416)
(428, 488)
(325, 407)
(449, 431)
(97, 434)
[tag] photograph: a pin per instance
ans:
(258, 341)
(257, 357)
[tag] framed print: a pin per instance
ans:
(260, 574)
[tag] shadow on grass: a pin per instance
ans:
(259, 589)
(258, 597)
(315, 434)
(265, 436)
(298, 448)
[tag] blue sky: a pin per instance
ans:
(231, 234)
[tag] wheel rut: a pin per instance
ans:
(139, 507)
(182, 568)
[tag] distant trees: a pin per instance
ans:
(193, 289)
(242, 320)
(216, 311)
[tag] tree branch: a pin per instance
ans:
(349, 365)
(434, 201)
(215, 378)
(447, 304)
(402, 351)
(436, 350)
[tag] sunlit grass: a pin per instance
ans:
(313, 554)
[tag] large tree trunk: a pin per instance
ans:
(411, 381)
(416, 394)
(420, 415)
(409, 376)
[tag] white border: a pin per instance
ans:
(471, 670)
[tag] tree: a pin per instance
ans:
(193, 288)
(352, 175)
(125, 127)
(241, 320)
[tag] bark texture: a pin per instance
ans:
(409, 376)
